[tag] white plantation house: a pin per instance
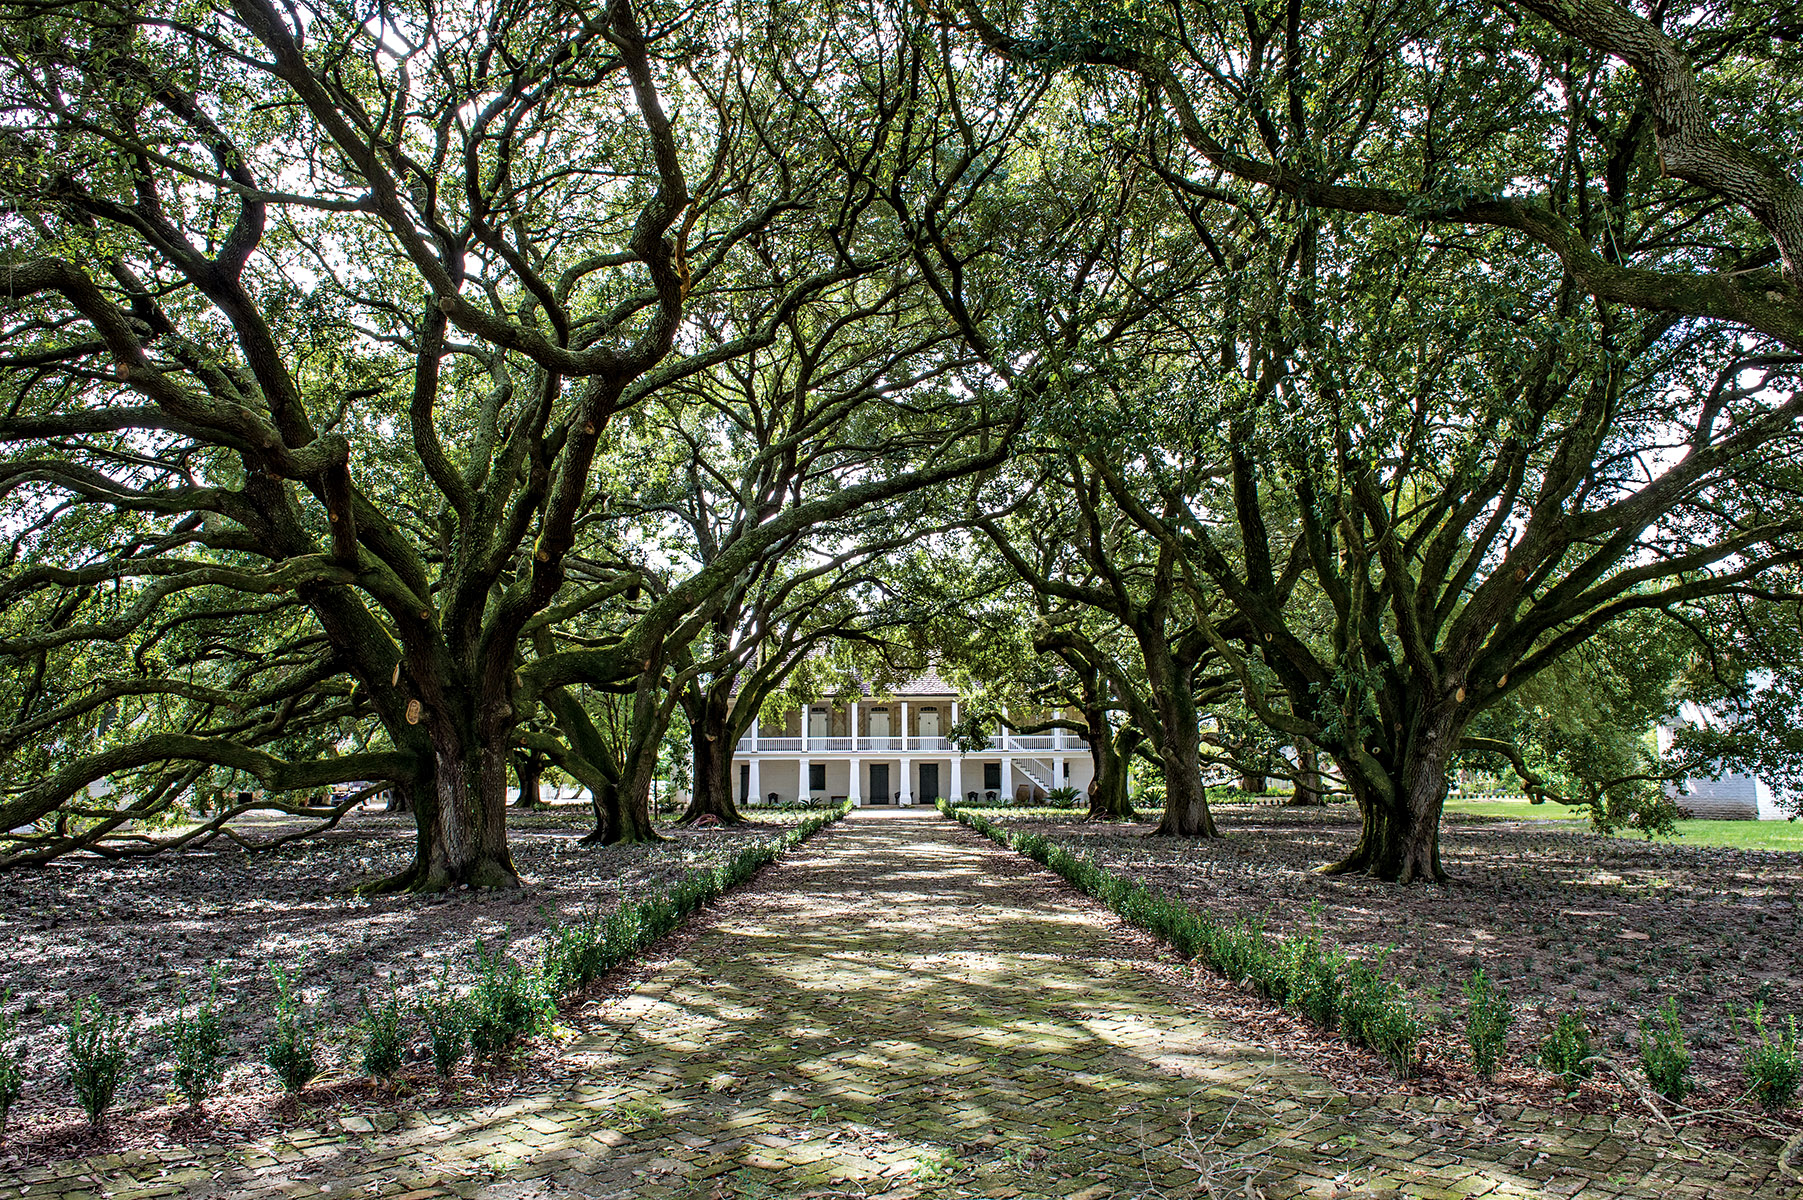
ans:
(1729, 796)
(894, 750)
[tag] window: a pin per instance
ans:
(816, 777)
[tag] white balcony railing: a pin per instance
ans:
(779, 744)
(898, 745)
(1032, 741)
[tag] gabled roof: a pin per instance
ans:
(927, 683)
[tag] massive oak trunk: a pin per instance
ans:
(1179, 745)
(1185, 806)
(468, 844)
(1110, 752)
(1399, 834)
(460, 805)
(712, 742)
(623, 809)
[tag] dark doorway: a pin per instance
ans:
(744, 783)
(816, 777)
(879, 784)
(929, 783)
(992, 776)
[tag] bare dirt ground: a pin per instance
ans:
(1564, 920)
(137, 932)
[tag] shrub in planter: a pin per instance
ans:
(1063, 797)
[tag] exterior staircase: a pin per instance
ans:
(1037, 771)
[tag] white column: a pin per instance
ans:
(1007, 779)
(1058, 733)
(807, 715)
(1001, 729)
(907, 780)
(754, 733)
(756, 785)
(802, 790)
(1060, 772)
(854, 737)
(904, 733)
(957, 778)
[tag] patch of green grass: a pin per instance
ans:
(1516, 810)
(1744, 835)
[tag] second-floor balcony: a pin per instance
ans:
(1033, 741)
(836, 744)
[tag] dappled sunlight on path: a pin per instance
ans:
(901, 1009)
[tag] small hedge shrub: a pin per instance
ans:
(293, 1052)
(100, 1047)
(197, 1044)
(1774, 1070)
(1487, 1021)
(1566, 1050)
(1664, 1056)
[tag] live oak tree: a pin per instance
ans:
(166, 358)
(1075, 550)
(1112, 739)
(766, 480)
(340, 310)
(1481, 500)
(1384, 380)
(1476, 481)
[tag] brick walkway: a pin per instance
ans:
(902, 1009)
